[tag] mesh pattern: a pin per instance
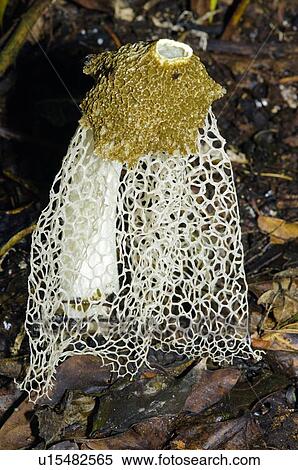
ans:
(127, 259)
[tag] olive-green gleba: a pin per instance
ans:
(140, 247)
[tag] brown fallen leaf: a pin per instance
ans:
(280, 324)
(8, 395)
(239, 433)
(16, 431)
(10, 367)
(68, 423)
(211, 387)
(285, 339)
(178, 445)
(249, 436)
(64, 445)
(78, 373)
(281, 299)
(286, 362)
(279, 230)
(258, 288)
(50, 424)
(149, 434)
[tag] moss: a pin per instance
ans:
(142, 105)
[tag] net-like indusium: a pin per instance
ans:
(127, 259)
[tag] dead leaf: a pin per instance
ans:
(178, 445)
(79, 410)
(286, 362)
(285, 339)
(211, 387)
(64, 445)
(8, 395)
(145, 397)
(258, 288)
(279, 230)
(239, 433)
(149, 434)
(290, 272)
(282, 299)
(268, 297)
(78, 373)
(70, 422)
(50, 424)
(160, 395)
(16, 431)
(10, 367)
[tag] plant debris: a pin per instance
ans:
(279, 230)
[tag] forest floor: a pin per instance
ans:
(253, 53)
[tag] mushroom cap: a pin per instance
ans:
(148, 98)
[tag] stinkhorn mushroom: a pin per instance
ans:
(140, 245)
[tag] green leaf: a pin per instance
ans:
(213, 5)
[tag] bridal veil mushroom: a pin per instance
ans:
(140, 247)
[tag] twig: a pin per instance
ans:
(17, 210)
(275, 175)
(112, 35)
(236, 17)
(16, 42)
(15, 239)
(286, 80)
(22, 182)
(8, 134)
(274, 49)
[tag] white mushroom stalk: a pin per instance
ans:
(140, 245)
(88, 257)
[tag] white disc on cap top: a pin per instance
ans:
(170, 51)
